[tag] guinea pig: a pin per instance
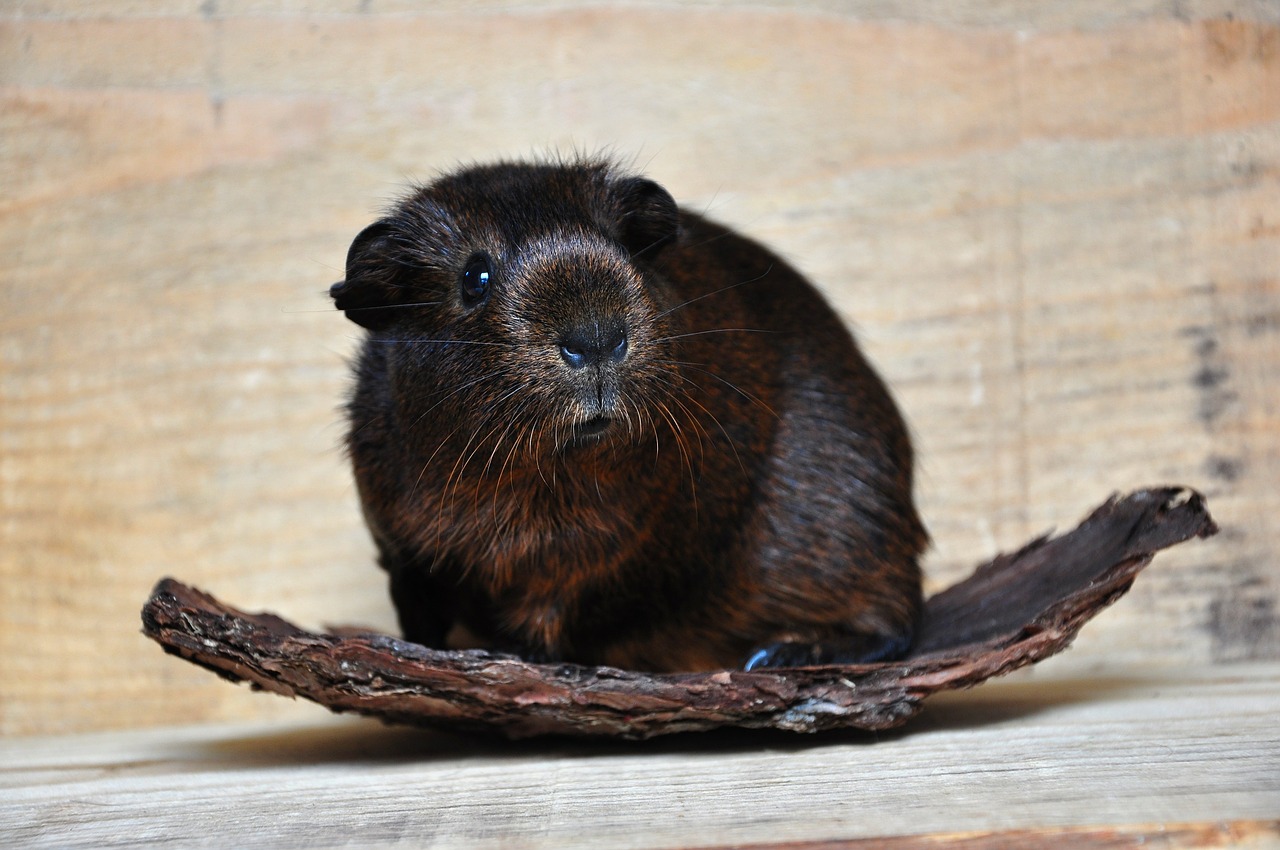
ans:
(590, 426)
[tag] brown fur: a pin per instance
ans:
(748, 496)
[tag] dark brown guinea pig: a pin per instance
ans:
(590, 426)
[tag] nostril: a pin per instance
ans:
(594, 345)
(573, 355)
(619, 351)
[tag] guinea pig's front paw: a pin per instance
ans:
(525, 652)
(841, 649)
(785, 654)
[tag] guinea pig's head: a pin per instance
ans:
(519, 303)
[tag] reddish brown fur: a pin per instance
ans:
(749, 496)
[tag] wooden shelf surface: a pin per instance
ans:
(1192, 758)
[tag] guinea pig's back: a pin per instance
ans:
(831, 520)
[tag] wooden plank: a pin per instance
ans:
(1055, 226)
(1238, 834)
(1166, 748)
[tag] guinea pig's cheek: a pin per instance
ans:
(554, 397)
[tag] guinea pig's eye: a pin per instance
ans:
(475, 279)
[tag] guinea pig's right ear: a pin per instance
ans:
(370, 292)
(650, 219)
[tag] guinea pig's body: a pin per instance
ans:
(588, 426)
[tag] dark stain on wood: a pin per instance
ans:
(1211, 377)
(1225, 469)
(1260, 324)
(1243, 622)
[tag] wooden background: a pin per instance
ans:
(1056, 227)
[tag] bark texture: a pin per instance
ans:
(1013, 611)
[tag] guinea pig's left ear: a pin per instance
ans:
(649, 219)
(370, 287)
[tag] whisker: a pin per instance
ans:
(715, 331)
(698, 430)
(657, 439)
(699, 368)
(497, 489)
(678, 433)
(409, 287)
(712, 239)
(719, 291)
(537, 459)
(459, 463)
(382, 307)
(429, 341)
(497, 444)
(723, 430)
(454, 479)
(460, 388)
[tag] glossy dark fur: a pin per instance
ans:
(725, 482)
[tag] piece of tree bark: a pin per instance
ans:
(1013, 611)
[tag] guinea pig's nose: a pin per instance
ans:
(594, 344)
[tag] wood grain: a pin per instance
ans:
(1055, 226)
(1191, 752)
(1239, 834)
